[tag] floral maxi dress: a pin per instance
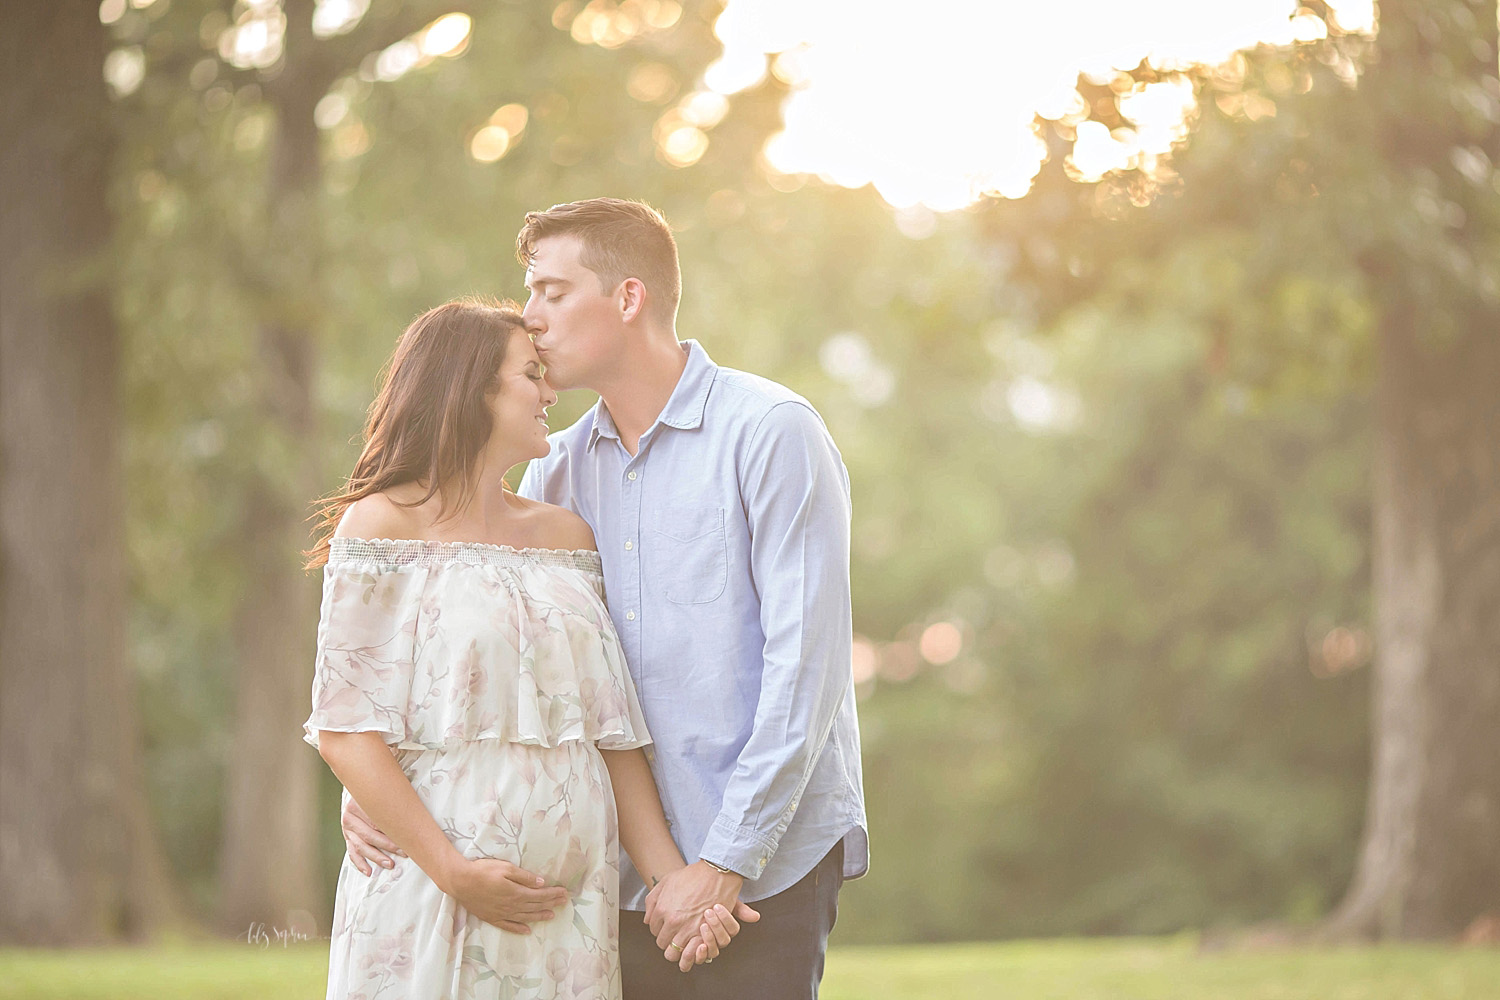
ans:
(495, 676)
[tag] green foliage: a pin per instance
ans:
(1147, 748)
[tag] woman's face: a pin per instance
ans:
(519, 405)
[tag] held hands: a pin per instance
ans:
(694, 912)
(495, 891)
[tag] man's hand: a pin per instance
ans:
(365, 843)
(677, 911)
(502, 894)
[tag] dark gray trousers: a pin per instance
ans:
(780, 957)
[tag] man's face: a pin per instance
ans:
(577, 329)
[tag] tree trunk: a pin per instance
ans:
(269, 858)
(78, 857)
(1430, 861)
(269, 869)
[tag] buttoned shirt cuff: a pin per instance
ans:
(739, 848)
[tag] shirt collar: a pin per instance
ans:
(604, 425)
(684, 409)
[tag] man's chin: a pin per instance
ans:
(555, 378)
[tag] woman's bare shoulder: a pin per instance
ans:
(379, 516)
(559, 528)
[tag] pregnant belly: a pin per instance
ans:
(550, 810)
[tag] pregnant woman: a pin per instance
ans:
(471, 694)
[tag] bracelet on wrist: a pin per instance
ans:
(720, 868)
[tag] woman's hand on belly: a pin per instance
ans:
(502, 894)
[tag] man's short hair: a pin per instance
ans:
(620, 239)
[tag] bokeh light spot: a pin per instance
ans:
(489, 144)
(941, 643)
(447, 36)
(511, 117)
(684, 146)
(124, 69)
(865, 661)
(651, 83)
(335, 17)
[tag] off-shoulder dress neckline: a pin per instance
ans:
(430, 552)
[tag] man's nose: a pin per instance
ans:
(532, 321)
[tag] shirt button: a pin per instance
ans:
(629, 546)
(630, 474)
(630, 616)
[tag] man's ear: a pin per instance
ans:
(632, 299)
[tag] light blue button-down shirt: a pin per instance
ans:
(725, 543)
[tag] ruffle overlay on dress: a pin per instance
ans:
(436, 643)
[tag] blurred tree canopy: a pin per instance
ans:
(1111, 444)
(1336, 217)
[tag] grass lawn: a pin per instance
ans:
(1135, 969)
(1157, 969)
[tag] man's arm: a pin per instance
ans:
(363, 840)
(797, 499)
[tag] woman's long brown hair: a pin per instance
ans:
(429, 420)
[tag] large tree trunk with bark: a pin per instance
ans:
(1430, 861)
(78, 857)
(269, 861)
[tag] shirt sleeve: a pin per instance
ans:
(796, 493)
(362, 676)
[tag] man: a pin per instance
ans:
(720, 507)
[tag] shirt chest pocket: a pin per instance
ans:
(693, 553)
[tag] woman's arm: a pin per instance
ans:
(643, 825)
(495, 891)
